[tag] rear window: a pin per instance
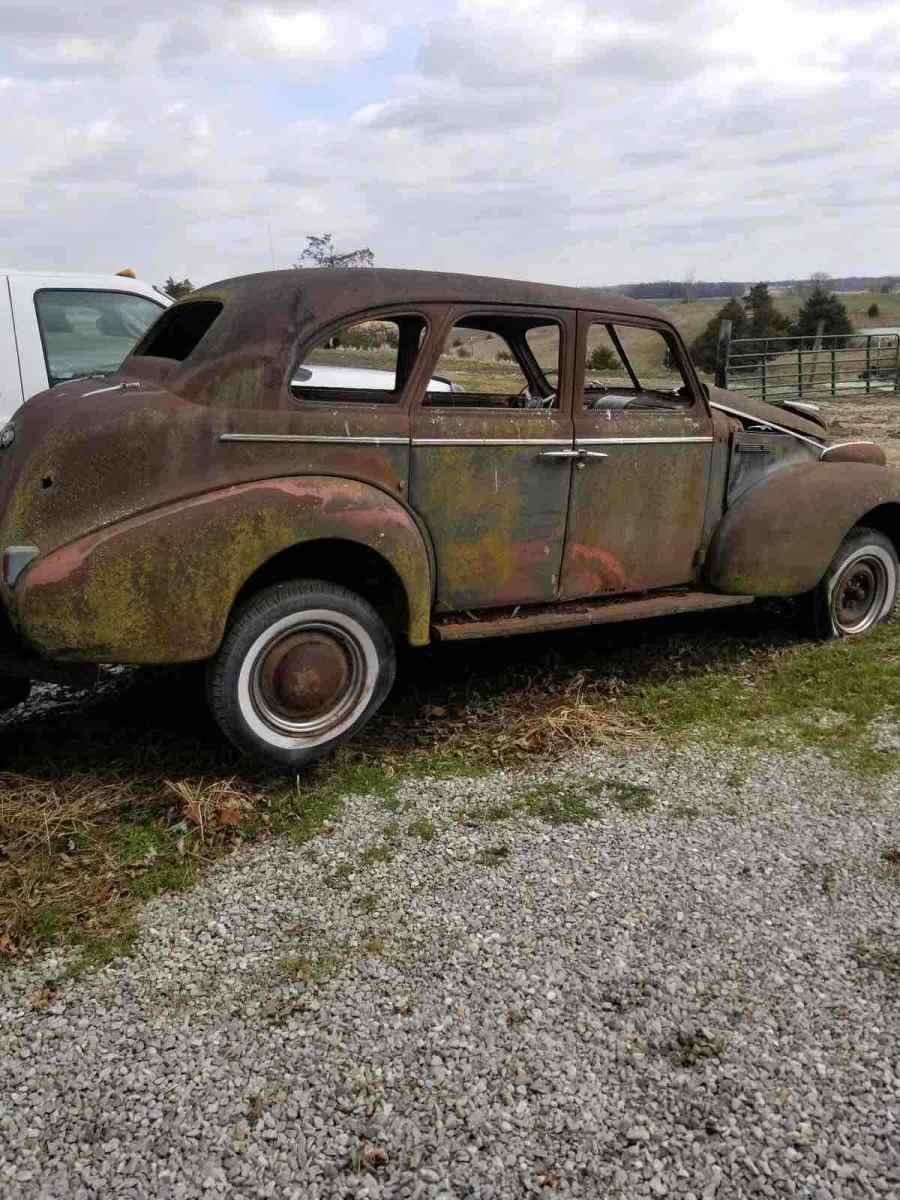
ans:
(179, 332)
(90, 332)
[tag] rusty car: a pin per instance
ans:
(296, 473)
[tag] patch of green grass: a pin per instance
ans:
(97, 951)
(697, 1046)
(557, 803)
(873, 952)
(492, 856)
(821, 695)
(378, 853)
(301, 810)
(339, 879)
(134, 843)
(630, 798)
(422, 829)
(366, 903)
(684, 812)
(167, 877)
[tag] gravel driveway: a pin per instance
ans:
(693, 992)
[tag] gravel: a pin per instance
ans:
(694, 995)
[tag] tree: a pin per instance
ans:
(176, 288)
(320, 252)
(703, 348)
(689, 287)
(873, 311)
(822, 305)
(765, 319)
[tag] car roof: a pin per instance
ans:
(372, 286)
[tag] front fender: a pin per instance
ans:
(158, 587)
(780, 537)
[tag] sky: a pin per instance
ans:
(555, 140)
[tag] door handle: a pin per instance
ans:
(592, 454)
(560, 454)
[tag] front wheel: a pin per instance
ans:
(302, 667)
(859, 589)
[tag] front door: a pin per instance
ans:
(492, 455)
(639, 485)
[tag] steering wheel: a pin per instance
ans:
(529, 400)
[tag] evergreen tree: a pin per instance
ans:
(822, 305)
(704, 346)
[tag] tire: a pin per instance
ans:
(859, 589)
(279, 645)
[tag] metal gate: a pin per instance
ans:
(822, 366)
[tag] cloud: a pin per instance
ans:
(542, 138)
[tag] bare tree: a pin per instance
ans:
(689, 287)
(320, 252)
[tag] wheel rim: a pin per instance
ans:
(307, 678)
(860, 594)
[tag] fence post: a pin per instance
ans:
(817, 347)
(897, 366)
(868, 363)
(723, 350)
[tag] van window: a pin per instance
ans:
(90, 332)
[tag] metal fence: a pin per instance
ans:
(823, 366)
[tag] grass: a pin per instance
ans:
(130, 793)
(873, 953)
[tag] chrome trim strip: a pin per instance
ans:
(313, 438)
(736, 412)
(841, 445)
(640, 441)
(492, 441)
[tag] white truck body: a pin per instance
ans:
(56, 326)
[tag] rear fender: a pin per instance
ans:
(159, 587)
(780, 537)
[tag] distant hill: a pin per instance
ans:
(673, 289)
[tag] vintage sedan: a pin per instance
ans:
(295, 472)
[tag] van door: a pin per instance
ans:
(65, 332)
(10, 379)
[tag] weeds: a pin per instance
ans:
(872, 952)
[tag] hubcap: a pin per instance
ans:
(306, 680)
(859, 595)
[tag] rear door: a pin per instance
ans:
(491, 458)
(643, 434)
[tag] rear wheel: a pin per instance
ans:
(302, 667)
(859, 589)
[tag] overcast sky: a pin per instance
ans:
(559, 140)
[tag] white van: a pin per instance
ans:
(55, 327)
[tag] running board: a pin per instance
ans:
(571, 615)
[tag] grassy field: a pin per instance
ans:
(111, 799)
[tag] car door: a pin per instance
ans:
(643, 434)
(491, 455)
(65, 332)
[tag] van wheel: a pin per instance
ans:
(302, 667)
(859, 589)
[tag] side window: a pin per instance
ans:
(90, 333)
(630, 366)
(366, 361)
(498, 361)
